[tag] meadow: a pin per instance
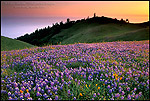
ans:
(96, 71)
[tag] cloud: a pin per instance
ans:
(27, 4)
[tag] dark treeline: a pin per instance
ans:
(44, 36)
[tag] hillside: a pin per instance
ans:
(12, 44)
(89, 33)
(96, 29)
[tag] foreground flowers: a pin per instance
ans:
(97, 71)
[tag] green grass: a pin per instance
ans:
(94, 32)
(8, 44)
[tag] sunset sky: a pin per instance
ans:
(135, 11)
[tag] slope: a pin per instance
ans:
(88, 33)
(12, 44)
(95, 29)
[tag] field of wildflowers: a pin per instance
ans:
(97, 71)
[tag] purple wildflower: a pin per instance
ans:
(110, 91)
(129, 97)
(117, 95)
(74, 98)
(9, 93)
(56, 97)
(108, 86)
(128, 88)
(52, 83)
(94, 95)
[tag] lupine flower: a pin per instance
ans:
(140, 93)
(4, 91)
(16, 93)
(27, 95)
(136, 96)
(122, 93)
(75, 80)
(69, 91)
(52, 83)
(39, 89)
(10, 98)
(108, 86)
(13, 95)
(74, 98)
(129, 97)
(45, 95)
(117, 95)
(110, 91)
(37, 94)
(56, 93)
(94, 95)
(42, 91)
(128, 88)
(56, 97)
(122, 97)
(9, 93)
(17, 89)
(23, 88)
(21, 97)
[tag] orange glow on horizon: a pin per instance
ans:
(135, 11)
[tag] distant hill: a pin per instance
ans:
(8, 44)
(95, 29)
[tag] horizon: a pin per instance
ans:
(21, 17)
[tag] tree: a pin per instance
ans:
(88, 17)
(48, 27)
(121, 20)
(61, 23)
(94, 14)
(68, 20)
(127, 20)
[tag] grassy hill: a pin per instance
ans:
(12, 44)
(96, 29)
(89, 33)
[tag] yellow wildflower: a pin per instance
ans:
(98, 87)
(89, 85)
(27, 90)
(116, 75)
(81, 94)
(21, 91)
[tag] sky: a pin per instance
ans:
(21, 17)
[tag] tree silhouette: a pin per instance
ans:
(88, 17)
(61, 23)
(94, 14)
(68, 20)
(127, 20)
